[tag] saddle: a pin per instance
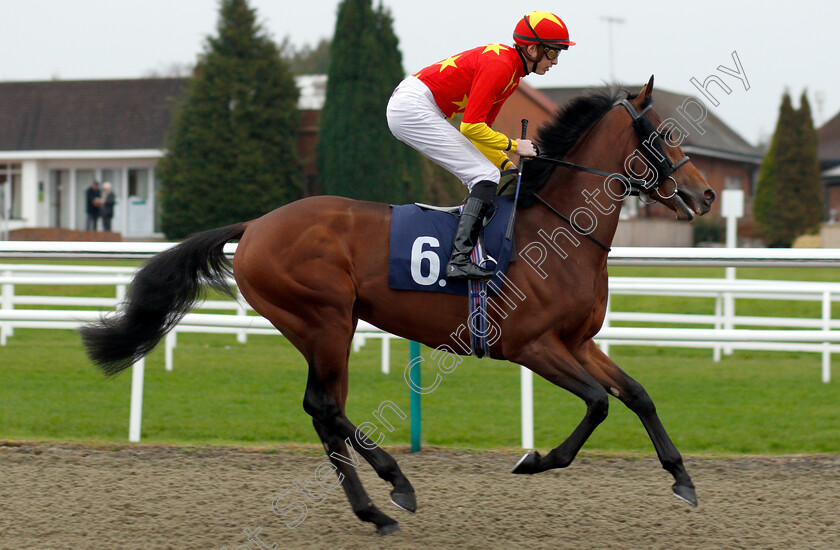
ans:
(456, 211)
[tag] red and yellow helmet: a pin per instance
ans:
(542, 27)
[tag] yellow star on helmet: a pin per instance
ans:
(493, 48)
(462, 105)
(536, 16)
(449, 62)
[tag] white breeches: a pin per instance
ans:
(414, 118)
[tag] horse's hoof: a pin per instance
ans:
(388, 529)
(686, 493)
(406, 501)
(527, 464)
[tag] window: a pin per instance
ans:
(10, 191)
(59, 187)
(138, 183)
(732, 182)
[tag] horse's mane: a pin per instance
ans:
(557, 137)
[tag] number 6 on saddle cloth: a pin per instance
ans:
(421, 242)
(420, 245)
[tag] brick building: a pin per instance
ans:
(724, 158)
(828, 150)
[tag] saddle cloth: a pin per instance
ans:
(421, 243)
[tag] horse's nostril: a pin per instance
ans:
(709, 195)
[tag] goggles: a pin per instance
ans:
(551, 52)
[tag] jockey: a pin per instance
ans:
(476, 83)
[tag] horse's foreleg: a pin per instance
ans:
(558, 366)
(634, 396)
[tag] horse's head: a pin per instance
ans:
(669, 177)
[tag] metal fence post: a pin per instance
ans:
(416, 422)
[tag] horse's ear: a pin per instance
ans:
(648, 89)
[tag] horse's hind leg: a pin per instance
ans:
(385, 466)
(632, 394)
(308, 294)
(326, 391)
(321, 402)
(339, 454)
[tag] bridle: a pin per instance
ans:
(655, 156)
(657, 161)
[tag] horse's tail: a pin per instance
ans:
(162, 292)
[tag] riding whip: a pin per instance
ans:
(509, 232)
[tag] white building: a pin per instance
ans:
(58, 137)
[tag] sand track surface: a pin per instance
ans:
(74, 497)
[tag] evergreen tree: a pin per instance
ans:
(358, 157)
(767, 188)
(307, 59)
(810, 194)
(787, 201)
(232, 149)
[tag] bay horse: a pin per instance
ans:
(316, 266)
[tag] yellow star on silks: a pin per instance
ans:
(537, 16)
(493, 48)
(462, 105)
(511, 83)
(450, 62)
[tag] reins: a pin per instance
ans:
(636, 184)
(575, 226)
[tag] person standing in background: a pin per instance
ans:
(93, 196)
(107, 209)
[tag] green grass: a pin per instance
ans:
(221, 392)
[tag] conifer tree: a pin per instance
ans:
(809, 193)
(232, 148)
(788, 199)
(358, 157)
(307, 59)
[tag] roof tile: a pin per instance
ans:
(717, 137)
(87, 114)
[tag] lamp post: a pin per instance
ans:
(610, 21)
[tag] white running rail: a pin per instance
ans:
(813, 335)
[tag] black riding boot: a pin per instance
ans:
(469, 226)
